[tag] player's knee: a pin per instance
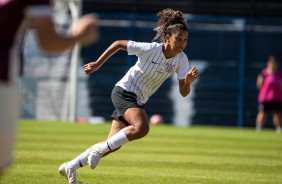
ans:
(142, 131)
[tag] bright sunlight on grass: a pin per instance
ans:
(168, 155)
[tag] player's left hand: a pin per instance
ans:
(86, 29)
(192, 75)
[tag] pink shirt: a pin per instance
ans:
(271, 87)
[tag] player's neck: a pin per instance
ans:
(168, 52)
(271, 70)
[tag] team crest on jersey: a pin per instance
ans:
(169, 67)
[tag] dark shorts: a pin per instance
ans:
(274, 106)
(122, 101)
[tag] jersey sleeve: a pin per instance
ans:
(140, 48)
(37, 8)
(183, 67)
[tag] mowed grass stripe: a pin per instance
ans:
(208, 155)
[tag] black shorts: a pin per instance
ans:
(122, 101)
(274, 106)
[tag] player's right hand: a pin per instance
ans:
(91, 67)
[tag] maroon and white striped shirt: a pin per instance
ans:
(12, 12)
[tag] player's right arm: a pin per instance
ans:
(112, 49)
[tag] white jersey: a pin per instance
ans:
(151, 69)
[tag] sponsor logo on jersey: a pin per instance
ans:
(169, 67)
(161, 69)
(154, 62)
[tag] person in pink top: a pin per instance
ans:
(269, 83)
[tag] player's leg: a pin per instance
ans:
(139, 123)
(276, 116)
(9, 111)
(262, 112)
(275, 108)
(115, 128)
(276, 121)
(121, 134)
(68, 169)
(129, 111)
(260, 120)
(9, 114)
(138, 128)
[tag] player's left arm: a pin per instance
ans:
(185, 84)
(51, 41)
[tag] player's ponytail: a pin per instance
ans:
(169, 19)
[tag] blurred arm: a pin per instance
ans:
(259, 81)
(51, 41)
(48, 38)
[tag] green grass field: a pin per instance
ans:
(168, 155)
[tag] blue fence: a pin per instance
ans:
(234, 50)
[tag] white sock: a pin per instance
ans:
(80, 160)
(114, 142)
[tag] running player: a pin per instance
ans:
(156, 63)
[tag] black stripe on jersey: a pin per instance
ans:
(154, 68)
(179, 63)
(158, 78)
(145, 67)
(136, 77)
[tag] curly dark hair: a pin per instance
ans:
(169, 19)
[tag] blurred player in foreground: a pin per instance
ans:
(156, 63)
(269, 83)
(15, 17)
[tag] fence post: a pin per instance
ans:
(76, 9)
(241, 85)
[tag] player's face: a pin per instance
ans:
(178, 40)
(272, 64)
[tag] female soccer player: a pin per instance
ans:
(269, 83)
(156, 62)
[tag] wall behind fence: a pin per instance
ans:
(234, 50)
